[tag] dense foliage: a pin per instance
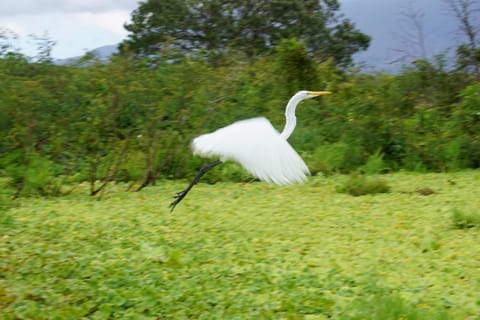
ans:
(131, 120)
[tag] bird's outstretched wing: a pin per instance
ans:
(258, 147)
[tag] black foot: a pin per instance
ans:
(178, 197)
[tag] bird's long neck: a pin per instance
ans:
(290, 117)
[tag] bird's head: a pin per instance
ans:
(305, 94)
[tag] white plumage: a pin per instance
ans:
(258, 147)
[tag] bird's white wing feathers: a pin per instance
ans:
(258, 147)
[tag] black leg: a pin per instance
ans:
(180, 195)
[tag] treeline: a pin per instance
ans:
(132, 120)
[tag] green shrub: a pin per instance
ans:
(359, 185)
(375, 163)
(6, 219)
(389, 305)
(132, 168)
(32, 175)
(413, 162)
(354, 156)
(463, 218)
(453, 150)
(329, 158)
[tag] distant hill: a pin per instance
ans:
(102, 53)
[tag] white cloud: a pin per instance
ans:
(15, 7)
(76, 26)
(111, 21)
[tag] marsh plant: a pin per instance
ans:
(242, 251)
(385, 304)
(375, 163)
(360, 185)
(464, 218)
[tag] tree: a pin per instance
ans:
(412, 38)
(251, 26)
(44, 47)
(467, 12)
(8, 39)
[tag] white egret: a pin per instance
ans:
(256, 146)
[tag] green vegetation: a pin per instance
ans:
(252, 250)
(463, 218)
(360, 185)
(132, 119)
(128, 121)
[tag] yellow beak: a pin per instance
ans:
(318, 93)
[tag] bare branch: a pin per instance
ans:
(464, 11)
(412, 35)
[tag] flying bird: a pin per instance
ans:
(256, 146)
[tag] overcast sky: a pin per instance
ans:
(386, 23)
(78, 26)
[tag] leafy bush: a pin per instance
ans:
(359, 185)
(375, 163)
(327, 158)
(132, 167)
(6, 219)
(334, 157)
(463, 218)
(386, 304)
(32, 175)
